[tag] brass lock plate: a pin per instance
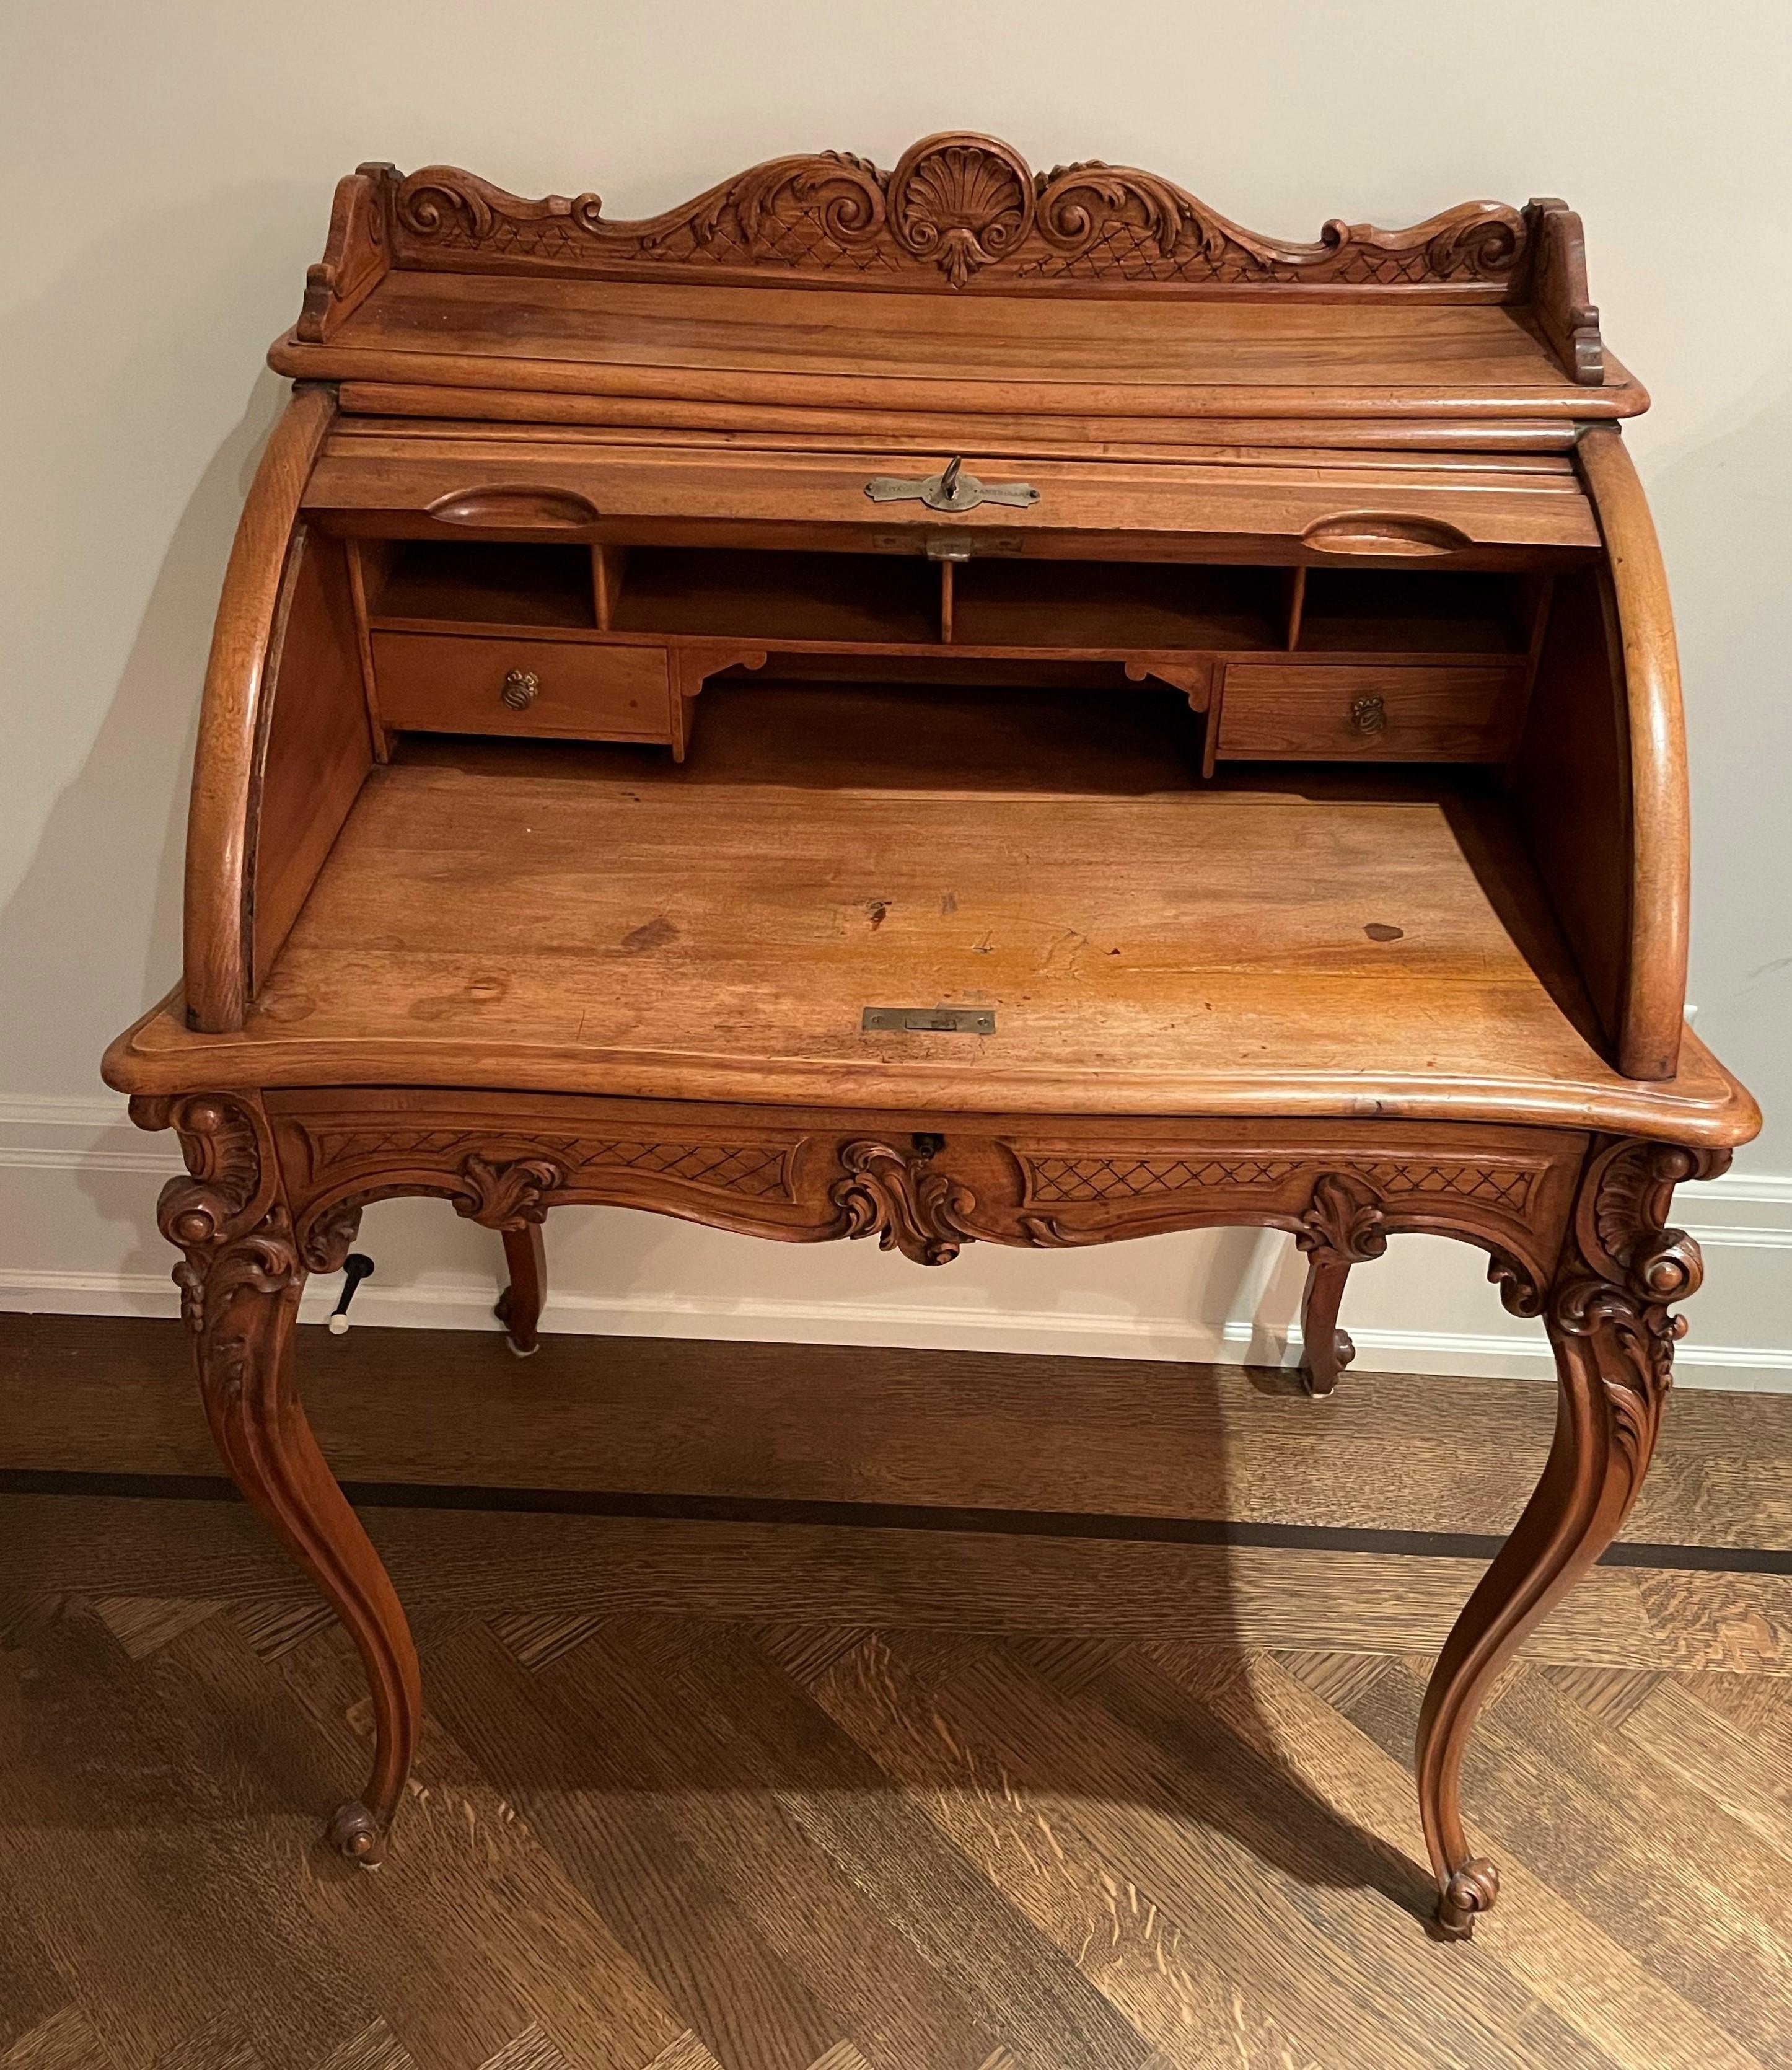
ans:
(950, 489)
(928, 1020)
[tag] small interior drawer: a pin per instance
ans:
(1288, 712)
(441, 682)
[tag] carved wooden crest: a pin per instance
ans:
(960, 211)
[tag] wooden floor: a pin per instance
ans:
(909, 1722)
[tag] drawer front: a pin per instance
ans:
(439, 682)
(1288, 712)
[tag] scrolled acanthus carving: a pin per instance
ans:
(842, 193)
(957, 208)
(1624, 1270)
(506, 1194)
(226, 1217)
(1344, 1225)
(1519, 1293)
(897, 1197)
(326, 1237)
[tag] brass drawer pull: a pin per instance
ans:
(519, 690)
(1368, 715)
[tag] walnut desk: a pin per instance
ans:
(947, 704)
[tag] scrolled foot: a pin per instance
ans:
(518, 1333)
(1472, 1889)
(1319, 1374)
(353, 1833)
(519, 1306)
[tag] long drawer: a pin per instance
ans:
(1306, 712)
(439, 682)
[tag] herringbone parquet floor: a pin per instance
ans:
(645, 1836)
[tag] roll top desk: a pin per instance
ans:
(952, 704)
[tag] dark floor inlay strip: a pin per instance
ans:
(885, 1517)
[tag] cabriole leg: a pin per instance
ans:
(1609, 1323)
(1325, 1349)
(1344, 1226)
(519, 1306)
(240, 1278)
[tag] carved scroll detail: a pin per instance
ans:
(958, 209)
(509, 1195)
(1472, 1889)
(327, 1238)
(226, 1217)
(1344, 1225)
(897, 1196)
(1627, 1271)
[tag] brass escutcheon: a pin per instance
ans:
(519, 689)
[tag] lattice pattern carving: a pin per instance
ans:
(1055, 1180)
(1501, 1186)
(757, 1170)
(1124, 1178)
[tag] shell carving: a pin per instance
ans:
(962, 203)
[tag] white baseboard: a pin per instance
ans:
(81, 1155)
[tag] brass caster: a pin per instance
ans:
(352, 1833)
(1470, 1891)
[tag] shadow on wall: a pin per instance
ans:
(1723, 508)
(91, 934)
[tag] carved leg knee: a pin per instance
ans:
(1612, 1336)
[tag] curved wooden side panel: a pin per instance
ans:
(1652, 1002)
(219, 828)
(1572, 789)
(315, 744)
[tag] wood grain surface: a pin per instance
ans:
(763, 344)
(1187, 506)
(1092, 924)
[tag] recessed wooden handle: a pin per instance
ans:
(520, 687)
(515, 507)
(1378, 533)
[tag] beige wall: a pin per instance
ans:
(168, 172)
